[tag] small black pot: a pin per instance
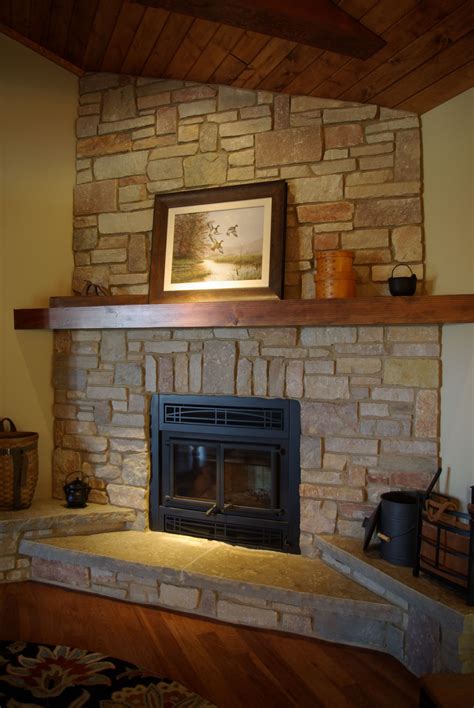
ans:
(77, 493)
(402, 285)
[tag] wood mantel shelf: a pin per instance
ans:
(421, 309)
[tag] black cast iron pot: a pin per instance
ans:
(402, 284)
(77, 493)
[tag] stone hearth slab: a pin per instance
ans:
(239, 585)
(47, 514)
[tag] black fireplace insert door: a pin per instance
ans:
(226, 468)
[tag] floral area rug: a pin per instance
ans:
(34, 675)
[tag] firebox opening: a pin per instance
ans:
(226, 468)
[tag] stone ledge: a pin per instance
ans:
(440, 626)
(46, 514)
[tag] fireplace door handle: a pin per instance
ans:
(229, 505)
(212, 510)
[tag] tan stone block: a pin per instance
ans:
(341, 136)
(126, 222)
(165, 185)
(160, 153)
(245, 614)
(166, 120)
(193, 93)
(285, 147)
(370, 150)
(95, 197)
(325, 241)
(208, 137)
(133, 124)
(384, 212)
(408, 155)
(260, 377)
(230, 98)
(369, 177)
(155, 142)
(59, 572)
(326, 387)
(242, 158)
(166, 168)
(240, 174)
(324, 491)
(153, 101)
(371, 255)
(334, 167)
(380, 138)
(123, 495)
(427, 414)
(224, 117)
(188, 133)
(176, 596)
(318, 516)
(315, 189)
(331, 211)
(336, 154)
(244, 127)
(375, 163)
(87, 126)
(244, 377)
(137, 253)
(366, 238)
(335, 462)
(353, 446)
(354, 113)
(358, 365)
(308, 118)
(310, 103)
(407, 243)
(281, 112)
(423, 373)
(110, 255)
(209, 168)
(387, 189)
(132, 163)
(240, 143)
(119, 103)
(294, 379)
(356, 476)
(412, 121)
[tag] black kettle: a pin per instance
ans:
(402, 284)
(77, 493)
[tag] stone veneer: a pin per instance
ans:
(369, 407)
(353, 174)
(369, 395)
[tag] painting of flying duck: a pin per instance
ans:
(222, 243)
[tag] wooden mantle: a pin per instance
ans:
(422, 309)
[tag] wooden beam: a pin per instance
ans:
(318, 23)
(64, 63)
(421, 309)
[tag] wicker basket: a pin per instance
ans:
(18, 467)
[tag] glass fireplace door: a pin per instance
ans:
(250, 477)
(194, 468)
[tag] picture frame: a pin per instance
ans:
(222, 243)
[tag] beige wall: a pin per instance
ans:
(37, 144)
(448, 152)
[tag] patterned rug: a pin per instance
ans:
(61, 677)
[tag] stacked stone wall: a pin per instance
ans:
(369, 407)
(353, 174)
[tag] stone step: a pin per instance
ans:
(238, 585)
(439, 632)
(51, 518)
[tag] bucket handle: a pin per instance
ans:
(398, 266)
(12, 428)
(387, 539)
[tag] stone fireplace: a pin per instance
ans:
(368, 395)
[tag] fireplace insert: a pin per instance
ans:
(226, 468)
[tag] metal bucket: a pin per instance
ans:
(399, 524)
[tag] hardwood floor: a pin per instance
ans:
(231, 666)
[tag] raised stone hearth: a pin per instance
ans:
(412, 619)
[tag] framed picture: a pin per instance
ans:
(224, 243)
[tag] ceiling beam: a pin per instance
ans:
(318, 23)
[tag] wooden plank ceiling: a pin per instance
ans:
(407, 54)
